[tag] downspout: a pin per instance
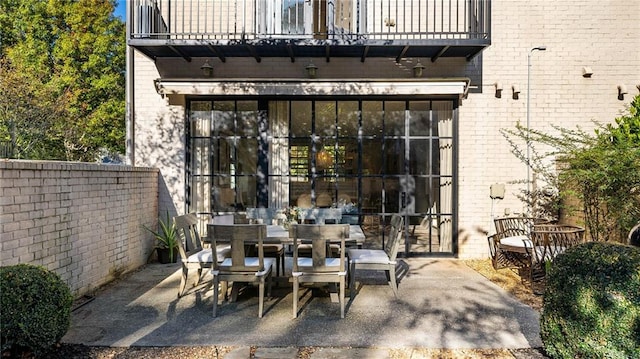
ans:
(129, 90)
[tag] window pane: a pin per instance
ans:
(394, 118)
(326, 118)
(372, 118)
(371, 157)
(300, 119)
(348, 119)
(247, 156)
(247, 113)
(223, 118)
(394, 156)
(419, 121)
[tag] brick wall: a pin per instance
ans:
(82, 221)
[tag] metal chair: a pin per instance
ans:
(549, 241)
(192, 254)
(378, 259)
(240, 267)
(320, 267)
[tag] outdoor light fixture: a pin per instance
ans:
(587, 72)
(207, 69)
(418, 69)
(311, 70)
(498, 86)
(516, 91)
(539, 48)
(622, 90)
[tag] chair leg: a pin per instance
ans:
(295, 297)
(341, 294)
(261, 297)
(392, 280)
(352, 280)
(199, 276)
(216, 283)
(282, 262)
(278, 265)
(183, 281)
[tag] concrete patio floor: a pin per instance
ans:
(441, 304)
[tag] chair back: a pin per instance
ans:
(550, 240)
(321, 215)
(513, 226)
(242, 237)
(187, 227)
(395, 235)
(320, 236)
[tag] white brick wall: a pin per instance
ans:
(82, 221)
(602, 35)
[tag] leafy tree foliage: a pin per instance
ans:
(601, 169)
(69, 58)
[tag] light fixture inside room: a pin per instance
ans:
(622, 90)
(587, 72)
(516, 91)
(207, 69)
(498, 86)
(311, 70)
(418, 69)
(324, 159)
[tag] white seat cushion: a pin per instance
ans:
(516, 241)
(251, 262)
(372, 256)
(206, 255)
(329, 262)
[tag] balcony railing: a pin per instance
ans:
(341, 21)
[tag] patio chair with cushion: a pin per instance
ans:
(240, 267)
(378, 259)
(271, 250)
(320, 267)
(548, 241)
(510, 230)
(192, 254)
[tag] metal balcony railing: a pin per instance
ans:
(341, 21)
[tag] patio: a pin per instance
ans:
(442, 304)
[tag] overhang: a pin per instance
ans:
(452, 87)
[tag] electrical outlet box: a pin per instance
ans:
(497, 191)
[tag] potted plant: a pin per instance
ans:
(167, 240)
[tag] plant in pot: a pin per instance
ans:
(167, 240)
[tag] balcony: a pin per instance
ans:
(309, 28)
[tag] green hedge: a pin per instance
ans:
(592, 303)
(36, 308)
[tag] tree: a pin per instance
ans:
(601, 169)
(72, 50)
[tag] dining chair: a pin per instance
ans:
(549, 241)
(320, 267)
(378, 259)
(240, 267)
(192, 253)
(272, 250)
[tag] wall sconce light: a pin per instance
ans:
(587, 72)
(418, 69)
(498, 86)
(207, 69)
(516, 91)
(312, 70)
(622, 90)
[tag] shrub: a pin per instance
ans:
(36, 308)
(591, 306)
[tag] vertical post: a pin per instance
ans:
(540, 48)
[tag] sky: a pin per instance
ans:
(120, 9)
